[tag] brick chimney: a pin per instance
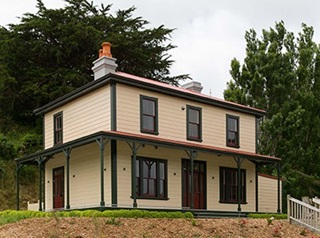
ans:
(105, 64)
(193, 86)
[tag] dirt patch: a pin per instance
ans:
(145, 228)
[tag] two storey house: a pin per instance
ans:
(123, 141)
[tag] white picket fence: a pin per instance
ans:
(303, 214)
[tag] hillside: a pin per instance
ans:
(28, 185)
(141, 227)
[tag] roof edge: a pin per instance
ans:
(148, 84)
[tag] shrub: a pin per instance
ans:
(9, 216)
(268, 215)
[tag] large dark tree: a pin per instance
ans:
(281, 74)
(50, 53)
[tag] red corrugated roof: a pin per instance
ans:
(270, 176)
(192, 145)
(180, 89)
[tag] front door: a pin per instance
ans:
(58, 187)
(199, 184)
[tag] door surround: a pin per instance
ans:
(199, 167)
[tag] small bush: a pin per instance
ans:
(188, 215)
(193, 222)
(9, 216)
(113, 221)
(268, 215)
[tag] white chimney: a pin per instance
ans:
(193, 86)
(105, 64)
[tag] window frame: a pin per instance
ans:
(155, 101)
(57, 131)
(139, 181)
(237, 144)
(199, 137)
(225, 195)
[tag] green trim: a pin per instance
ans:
(182, 182)
(278, 165)
(133, 174)
(44, 184)
(153, 198)
(59, 148)
(67, 153)
(157, 161)
(187, 95)
(43, 131)
(226, 202)
(239, 162)
(113, 106)
(101, 144)
(256, 135)
(257, 167)
(17, 188)
(85, 89)
(238, 131)
(244, 201)
(114, 182)
(30, 159)
(39, 160)
(91, 86)
(199, 139)
(155, 100)
(55, 116)
(18, 167)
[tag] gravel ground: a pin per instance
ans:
(145, 228)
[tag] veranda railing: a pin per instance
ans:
(303, 213)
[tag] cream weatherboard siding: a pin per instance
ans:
(173, 158)
(174, 163)
(84, 176)
(268, 193)
(172, 118)
(81, 117)
(214, 163)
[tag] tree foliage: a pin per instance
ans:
(7, 150)
(50, 53)
(281, 74)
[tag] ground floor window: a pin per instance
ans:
(229, 185)
(151, 175)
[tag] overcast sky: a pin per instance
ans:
(209, 33)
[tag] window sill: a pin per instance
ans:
(151, 198)
(233, 146)
(150, 132)
(232, 202)
(194, 139)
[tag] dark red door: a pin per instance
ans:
(58, 187)
(199, 184)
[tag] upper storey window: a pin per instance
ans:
(149, 115)
(194, 127)
(233, 131)
(58, 128)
